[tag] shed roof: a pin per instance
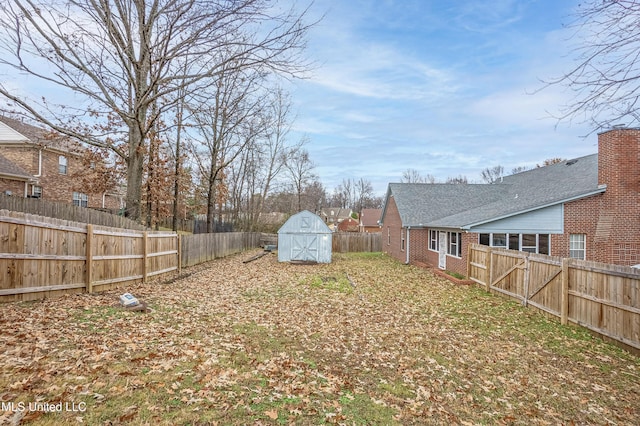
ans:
(465, 205)
(304, 222)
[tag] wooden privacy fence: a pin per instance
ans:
(47, 257)
(601, 297)
(199, 248)
(345, 242)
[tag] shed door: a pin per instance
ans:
(304, 247)
(442, 250)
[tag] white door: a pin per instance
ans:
(442, 250)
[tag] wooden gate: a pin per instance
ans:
(531, 278)
(603, 298)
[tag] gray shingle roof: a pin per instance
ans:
(8, 168)
(464, 205)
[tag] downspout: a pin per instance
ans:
(39, 163)
(408, 245)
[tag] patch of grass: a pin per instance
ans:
(455, 275)
(397, 389)
(360, 409)
(338, 283)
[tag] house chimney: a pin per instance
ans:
(619, 161)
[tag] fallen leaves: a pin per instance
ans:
(362, 340)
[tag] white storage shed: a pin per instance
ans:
(304, 237)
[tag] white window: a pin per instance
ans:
(388, 236)
(80, 199)
(577, 246)
(36, 191)
(532, 243)
(454, 244)
(529, 243)
(433, 240)
(499, 240)
(62, 165)
(402, 239)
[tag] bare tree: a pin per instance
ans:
(364, 193)
(492, 174)
(255, 174)
(119, 57)
(226, 122)
(300, 170)
(354, 194)
(414, 176)
(519, 169)
(550, 161)
(606, 75)
(457, 180)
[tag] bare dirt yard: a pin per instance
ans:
(361, 341)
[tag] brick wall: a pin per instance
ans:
(391, 232)
(418, 243)
(16, 187)
(611, 221)
(55, 186)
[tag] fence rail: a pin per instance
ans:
(601, 297)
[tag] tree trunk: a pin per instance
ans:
(135, 171)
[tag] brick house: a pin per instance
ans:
(332, 216)
(369, 220)
(586, 208)
(36, 164)
(349, 225)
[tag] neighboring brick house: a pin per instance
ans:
(35, 164)
(349, 225)
(332, 216)
(586, 208)
(369, 220)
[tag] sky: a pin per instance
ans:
(447, 88)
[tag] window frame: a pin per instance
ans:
(572, 250)
(36, 191)
(433, 240)
(63, 165)
(541, 240)
(80, 199)
(454, 247)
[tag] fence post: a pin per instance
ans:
(564, 308)
(89, 258)
(179, 243)
(469, 261)
(525, 298)
(489, 272)
(145, 253)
